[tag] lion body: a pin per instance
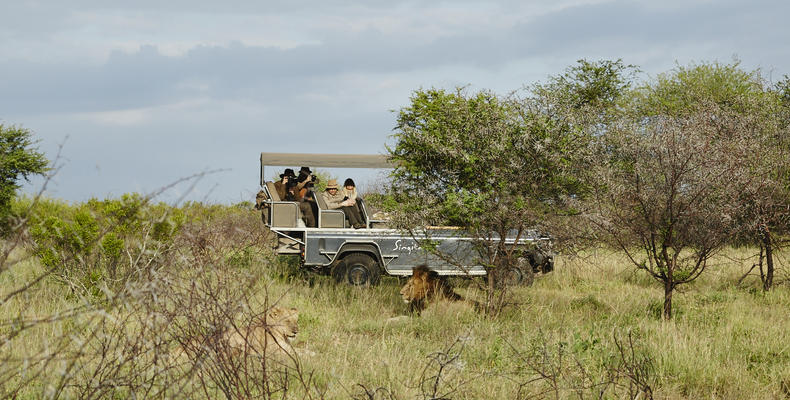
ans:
(272, 334)
(263, 336)
(425, 285)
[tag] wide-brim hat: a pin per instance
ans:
(289, 173)
(332, 184)
(305, 170)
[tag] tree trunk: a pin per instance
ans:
(490, 291)
(769, 259)
(668, 288)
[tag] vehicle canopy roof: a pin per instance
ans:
(323, 160)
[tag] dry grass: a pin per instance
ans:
(566, 336)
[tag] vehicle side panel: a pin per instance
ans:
(397, 252)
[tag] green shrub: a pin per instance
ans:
(102, 242)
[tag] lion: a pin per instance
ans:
(266, 335)
(425, 285)
(269, 335)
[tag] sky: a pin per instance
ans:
(135, 96)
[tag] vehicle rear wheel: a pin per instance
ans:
(513, 276)
(360, 269)
(339, 272)
(517, 275)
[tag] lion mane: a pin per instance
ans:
(425, 285)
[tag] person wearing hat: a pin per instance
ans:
(335, 200)
(290, 189)
(306, 176)
(305, 182)
(292, 194)
(282, 185)
(305, 171)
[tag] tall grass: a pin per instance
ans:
(590, 329)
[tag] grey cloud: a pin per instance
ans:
(629, 27)
(261, 98)
(147, 77)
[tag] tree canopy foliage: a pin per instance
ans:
(500, 166)
(668, 170)
(460, 156)
(18, 160)
(691, 162)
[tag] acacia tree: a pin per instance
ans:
(585, 99)
(454, 163)
(671, 188)
(769, 211)
(18, 159)
(744, 95)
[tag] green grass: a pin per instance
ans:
(724, 342)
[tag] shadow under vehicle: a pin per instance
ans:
(361, 256)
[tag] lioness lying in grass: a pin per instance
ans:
(271, 335)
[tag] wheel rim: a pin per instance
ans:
(514, 276)
(358, 275)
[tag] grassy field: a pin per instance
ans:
(590, 329)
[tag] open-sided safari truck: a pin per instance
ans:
(362, 256)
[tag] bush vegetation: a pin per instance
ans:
(591, 329)
(19, 159)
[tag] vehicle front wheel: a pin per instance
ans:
(360, 269)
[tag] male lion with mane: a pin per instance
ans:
(425, 285)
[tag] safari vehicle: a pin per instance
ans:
(361, 256)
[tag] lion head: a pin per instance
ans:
(265, 335)
(425, 285)
(282, 322)
(273, 333)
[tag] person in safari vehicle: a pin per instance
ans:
(335, 199)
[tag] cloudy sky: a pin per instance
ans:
(138, 96)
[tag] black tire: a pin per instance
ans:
(548, 266)
(360, 269)
(536, 260)
(513, 276)
(518, 276)
(339, 272)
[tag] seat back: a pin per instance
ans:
(319, 199)
(285, 214)
(273, 191)
(282, 214)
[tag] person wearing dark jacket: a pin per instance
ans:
(305, 182)
(281, 185)
(293, 194)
